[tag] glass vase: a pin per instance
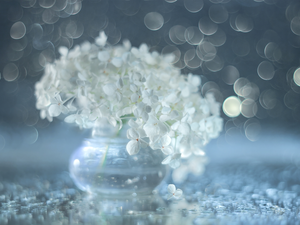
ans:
(102, 165)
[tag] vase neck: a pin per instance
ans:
(102, 128)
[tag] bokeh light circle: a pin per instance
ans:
(266, 70)
(295, 25)
(193, 35)
(239, 86)
(207, 26)
(296, 76)
(10, 72)
(193, 6)
(232, 106)
(206, 51)
(18, 30)
(218, 13)
(248, 108)
(230, 74)
(154, 21)
(252, 129)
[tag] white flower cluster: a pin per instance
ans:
(164, 108)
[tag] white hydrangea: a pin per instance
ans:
(96, 81)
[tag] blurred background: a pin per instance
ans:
(245, 51)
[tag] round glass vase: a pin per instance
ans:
(102, 165)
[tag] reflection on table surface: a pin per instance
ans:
(225, 194)
(244, 183)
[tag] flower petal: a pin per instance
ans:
(148, 109)
(133, 147)
(63, 50)
(141, 133)
(184, 128)
(120, 83)
(103, 56)
(167, 160)
(109, 89)
(154, 99)
(174, 164)
(81, 76)
(127, 111)
(163, 129)
(178, 193)
(175, 125)
(170, 195)
(134, 97)
(112, 121)
(167, 150)
(166, 110)
(117, 62)
(164, 118)
(132, 123)
(79, 121)
(71, 118)
(171, 188)
(133, 88)
(64, 109)
(101, 40)
(119, 96)
(174, 114)
(145, 116)
(58, 98)
(132, 134)
(165, 140)
(54, 110)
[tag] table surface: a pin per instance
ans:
(256, 193)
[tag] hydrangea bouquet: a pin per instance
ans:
(163, 108)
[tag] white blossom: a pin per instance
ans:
(162, 143)
(173, 192)
(57, 106)
(99, 82)
(173, 160)
(136, 135)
